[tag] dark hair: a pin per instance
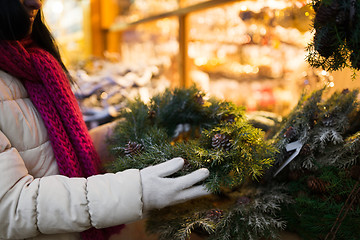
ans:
(15, 25)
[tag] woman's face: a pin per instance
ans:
(32, 7)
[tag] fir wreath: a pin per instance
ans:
(206, 133)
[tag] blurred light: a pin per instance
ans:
(201, 20)
(104, 95)
(200, 61)
(253, 27)
(262, 31)
(324, 73)
(221, 54)
(214, 62)
(248, 69)
(299, 4)
(57, 7)
(113, 112)
(276, 4)
(331, 84)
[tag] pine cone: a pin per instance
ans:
(290, 133)
(317, 185)
(229, 118)
(305, 150)
(133, 148)
(295, 175)
(355, 172)
(314, 119)
(214, 215)
(243, 200)
(221, 141)
(328, 121)
(152, 114)
(199, 99)
(345, 91)
(187, 165)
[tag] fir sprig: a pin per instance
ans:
(238, 216)
(348, 155)
(254, 219)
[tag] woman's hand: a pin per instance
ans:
(160, 191)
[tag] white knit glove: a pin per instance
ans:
(159, 191)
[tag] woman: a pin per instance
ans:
(50, 186)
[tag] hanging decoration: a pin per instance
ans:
(336, 39)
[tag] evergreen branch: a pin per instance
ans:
(191, 224)
(256, 219)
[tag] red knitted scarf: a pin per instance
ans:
(49, 90)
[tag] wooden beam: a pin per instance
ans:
(179, 12)
(184, 65)
(97, 36)
(109, 11)
(87, 28)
